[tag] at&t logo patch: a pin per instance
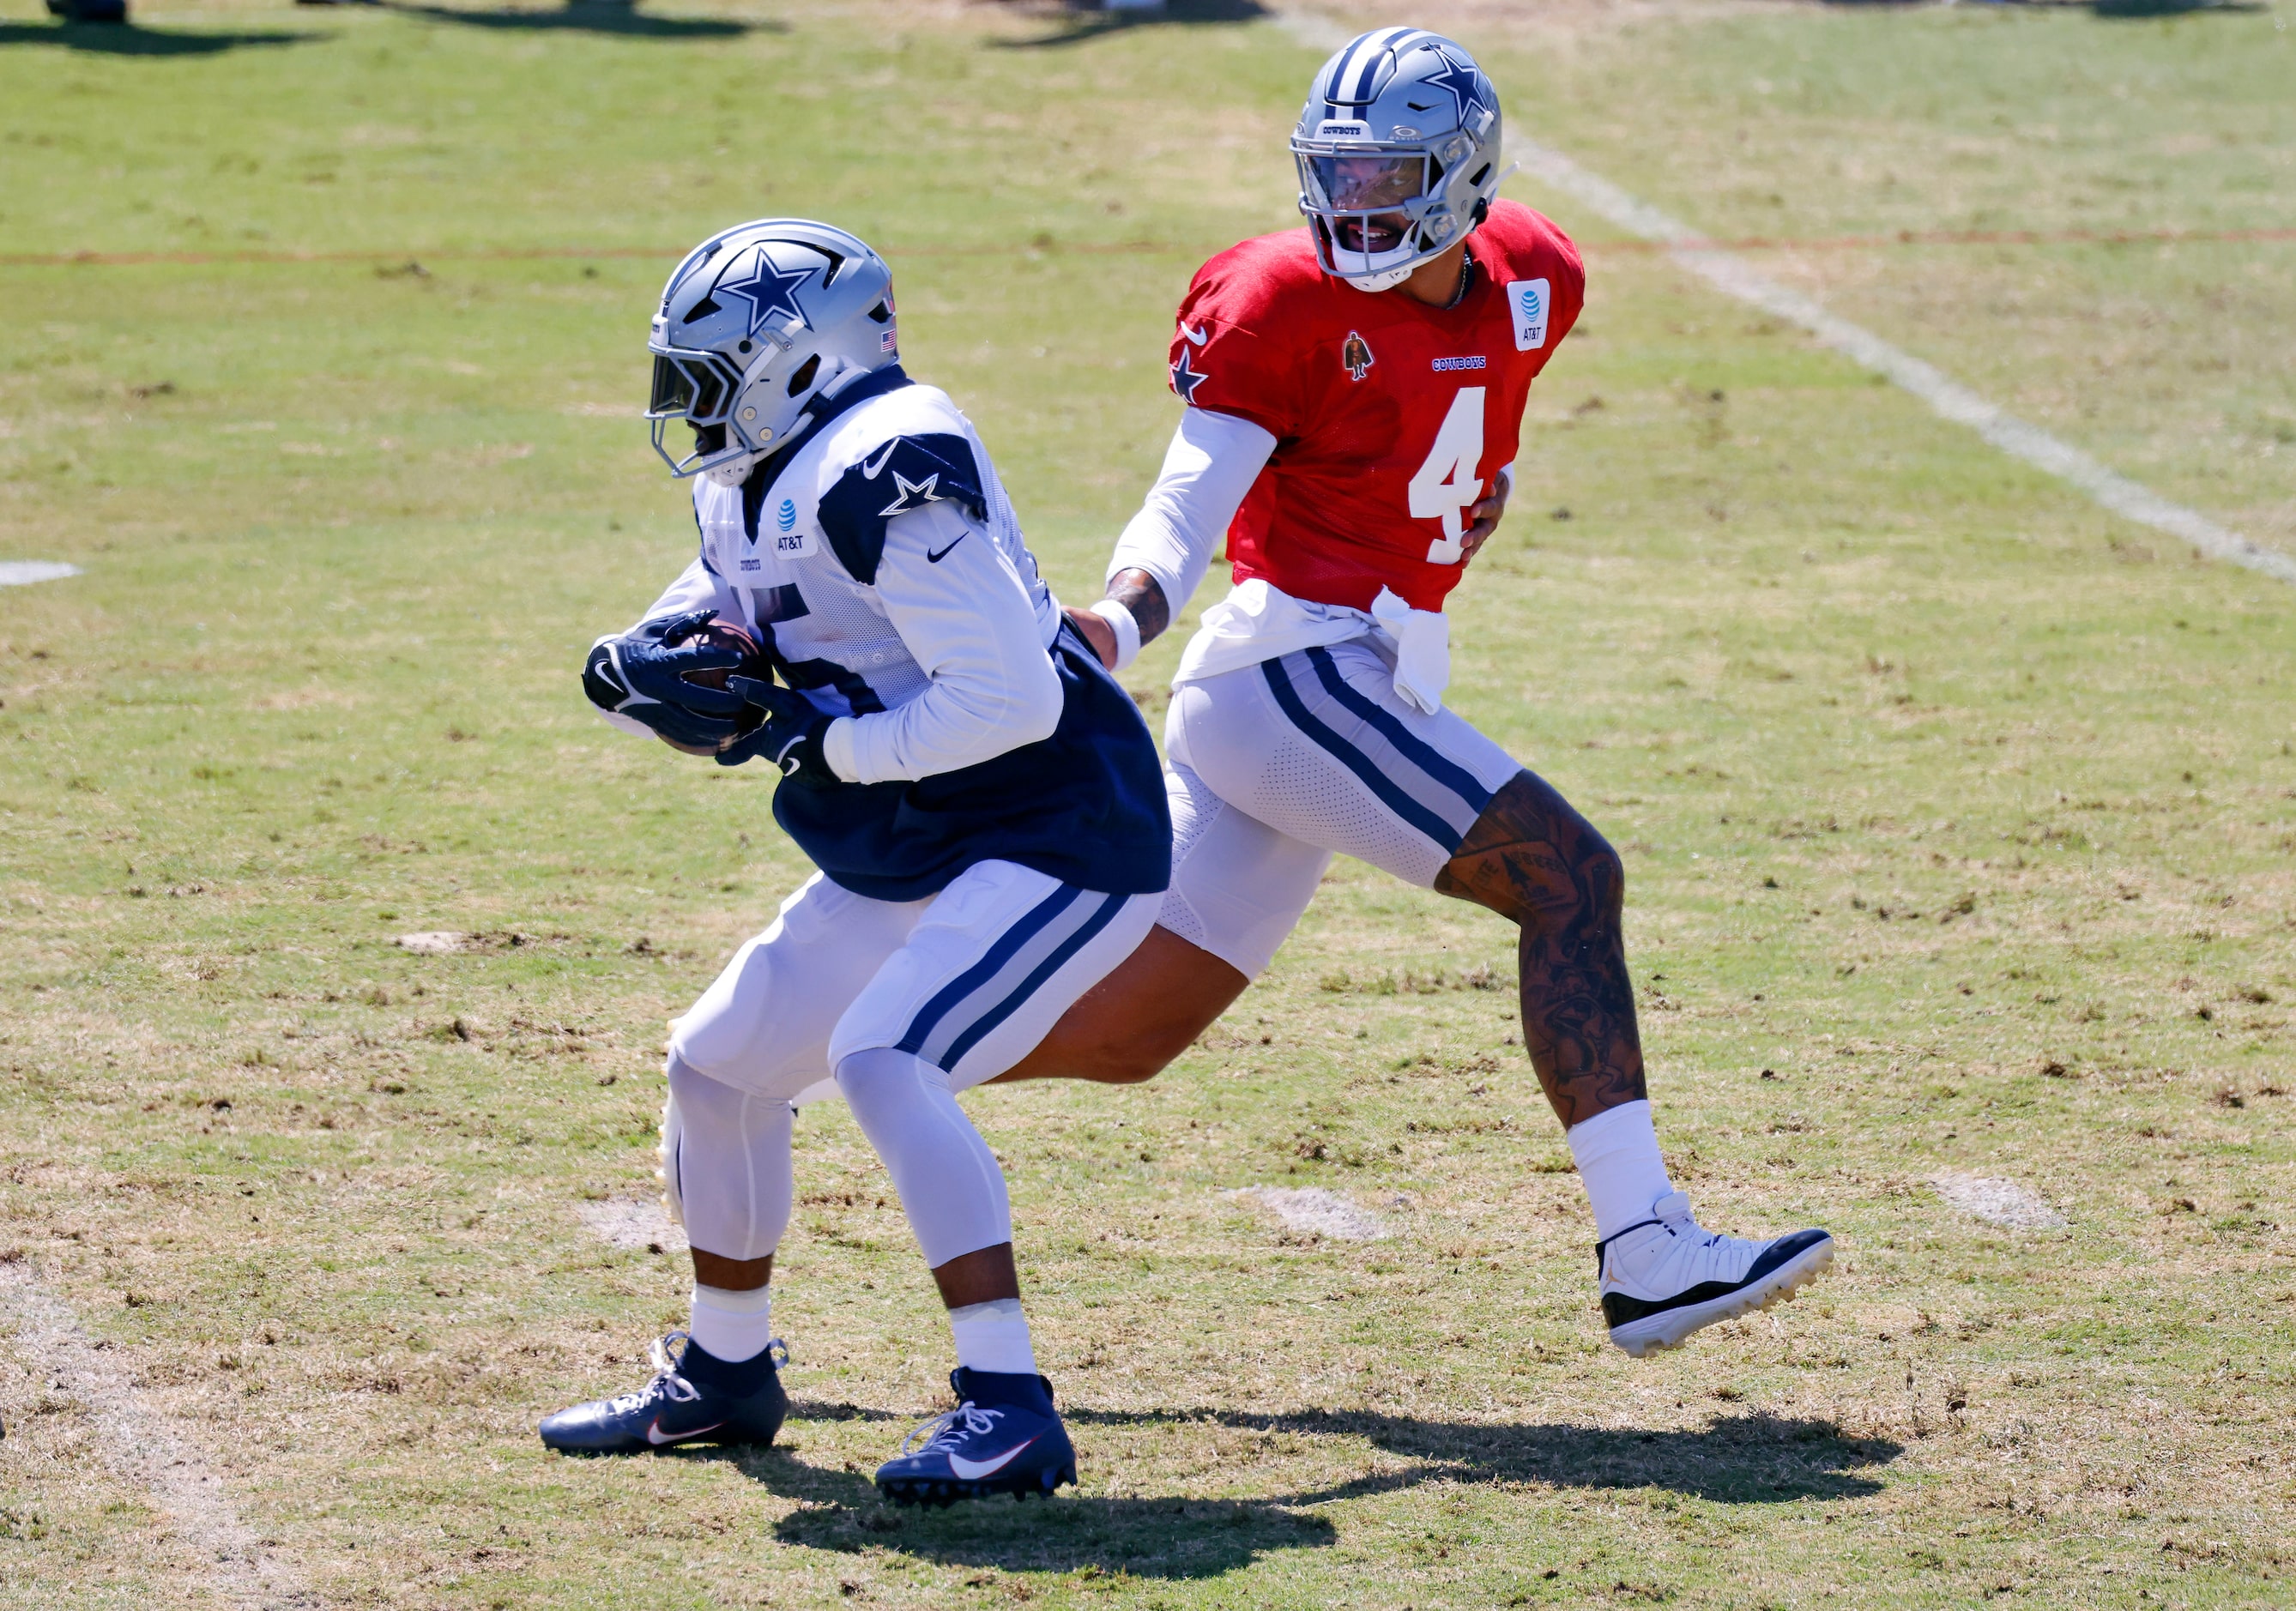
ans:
(1529, 303)
(790, 542)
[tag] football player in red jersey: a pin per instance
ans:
(1355, 393)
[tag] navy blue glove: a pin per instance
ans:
(642, 676)
(790, 736)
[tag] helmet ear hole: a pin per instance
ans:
(806, 372)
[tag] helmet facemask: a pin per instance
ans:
(697, 386)
(1367, 210)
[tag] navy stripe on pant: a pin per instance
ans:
(1426, 790)
(972, 1006)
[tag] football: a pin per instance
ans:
(725, 636)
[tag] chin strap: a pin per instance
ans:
(1387, 280)
(736, 472)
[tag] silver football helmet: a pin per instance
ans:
(1398, 152)
(757, 322)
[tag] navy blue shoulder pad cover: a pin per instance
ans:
(903, 474)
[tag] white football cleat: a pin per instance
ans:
(1666, 1277)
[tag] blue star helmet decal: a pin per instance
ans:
(1185, 379)
(892, 479)
(1467, 86)
(768, 289)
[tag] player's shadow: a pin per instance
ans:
(128, 39)
(1171, 1537)
(1080, 24)
(1757, 1459)
(1753, 1458)
(620, 17)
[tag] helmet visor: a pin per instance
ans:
(1373, 181)
(690, 386)
(1362, 197)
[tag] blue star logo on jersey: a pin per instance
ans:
(1460, 77)
(1185, 379)
(912, 494)
(769, 290)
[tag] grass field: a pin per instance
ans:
(1961, 818)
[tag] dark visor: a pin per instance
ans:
(694, 389)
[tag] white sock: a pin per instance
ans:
(731, 1326)
(1620, 1166)
(993, 1337)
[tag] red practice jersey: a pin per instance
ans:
(1390, 418)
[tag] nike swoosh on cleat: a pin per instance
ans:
(871, 471)
(974, 1470)
(934, 559)
(655, 1435)
(1196, 337)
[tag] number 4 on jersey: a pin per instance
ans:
(1447, 485)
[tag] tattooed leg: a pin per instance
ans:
(1534, 859)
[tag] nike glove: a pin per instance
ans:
(790, 736)
(635, 676)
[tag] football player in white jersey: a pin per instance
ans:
(1355, 393)
(982, 800)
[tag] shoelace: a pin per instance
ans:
(945, 1432)
(667, 1383)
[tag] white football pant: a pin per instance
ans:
(907, 1003)
(1276, 766)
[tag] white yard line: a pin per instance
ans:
(1728, 273)
(23, 573)
(139, 1443)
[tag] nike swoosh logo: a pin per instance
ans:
(934, 559)
(972, 1470)
(656, 1438)
(871, 471)
(1197, 336)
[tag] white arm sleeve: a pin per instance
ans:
(1212, 464)
(966, 619)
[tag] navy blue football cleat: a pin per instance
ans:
(694, 1398)
(1003, 1437)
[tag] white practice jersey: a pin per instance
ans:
(884, 568)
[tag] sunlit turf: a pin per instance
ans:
(1960, 817)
